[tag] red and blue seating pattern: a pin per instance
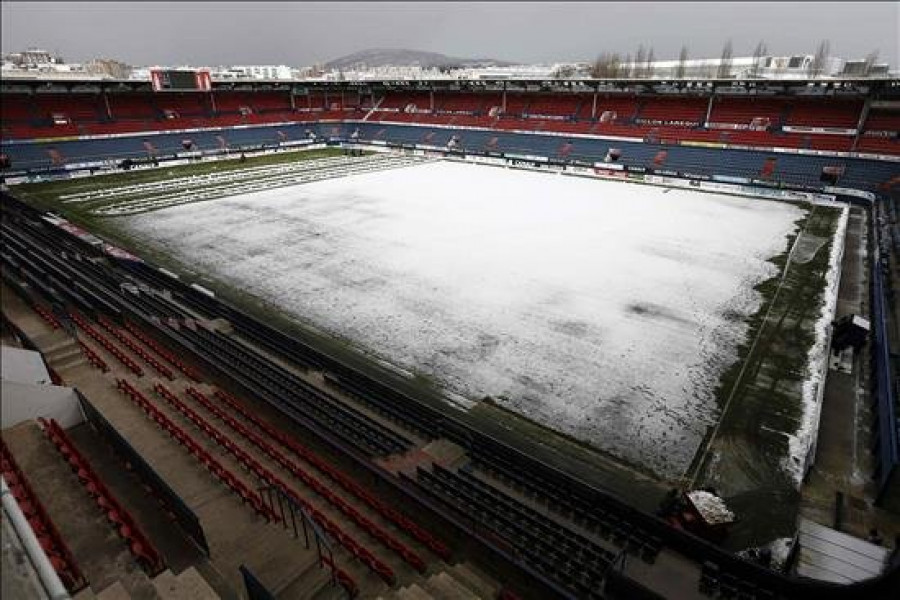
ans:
(628, 115)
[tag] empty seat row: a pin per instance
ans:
(138, 543)
(343, 578)
(271, 479)
(363, 432)
(345, 482)
(161, 351)
(246, 495)
(45, 530)
(276, 482)
(596, 514)
(147, 358)
(404, 413)
(719, 583)
(47, 316)
(107, 345)
(311, 481)
(580, 567)
(93, 357)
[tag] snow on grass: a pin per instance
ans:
(802, 442)
(605, 310)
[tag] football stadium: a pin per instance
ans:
(485, 337)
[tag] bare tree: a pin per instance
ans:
(607, 66)
(639, 58)
(759, 53)
(626, 70)
(871, 59)
(682, 60)
(724, 71)
(817, 66)
(651, 58)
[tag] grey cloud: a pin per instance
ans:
(212, 33)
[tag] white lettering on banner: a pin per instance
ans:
(819, 130)
(609, 166)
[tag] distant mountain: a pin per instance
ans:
(381, 57)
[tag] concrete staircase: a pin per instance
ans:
(459, 582)
(64, 353)
(187, 585)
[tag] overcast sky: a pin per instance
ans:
(297, 34)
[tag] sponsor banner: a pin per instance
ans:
(701, 144)
(818, 130)
(731, 126)
(611, 174)
(526, 157)
(67, 138)
(578, 170)
(530, 164)
(485, 160)
(675, 123)
(545, 117)
(730, 179)
(117, 252)
(609, 166)
(80, 233)
(582, 163)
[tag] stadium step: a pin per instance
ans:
(63, 352)
(456, 583)
(476, 582)
(187, 585)
(99, 551)
(444, 587)
(413, 592)
(116, 591)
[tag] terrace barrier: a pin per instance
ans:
(172, 502)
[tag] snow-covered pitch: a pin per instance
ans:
(605, 310)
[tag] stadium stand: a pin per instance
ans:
(124, 524)
(678, 112)
(48, 535)
(887, 121)
(829, 113)
(743, 111)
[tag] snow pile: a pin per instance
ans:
(802, 442)
(602, 309)
(711, 507)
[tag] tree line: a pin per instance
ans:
(614, 65)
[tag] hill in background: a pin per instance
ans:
(381, 57)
